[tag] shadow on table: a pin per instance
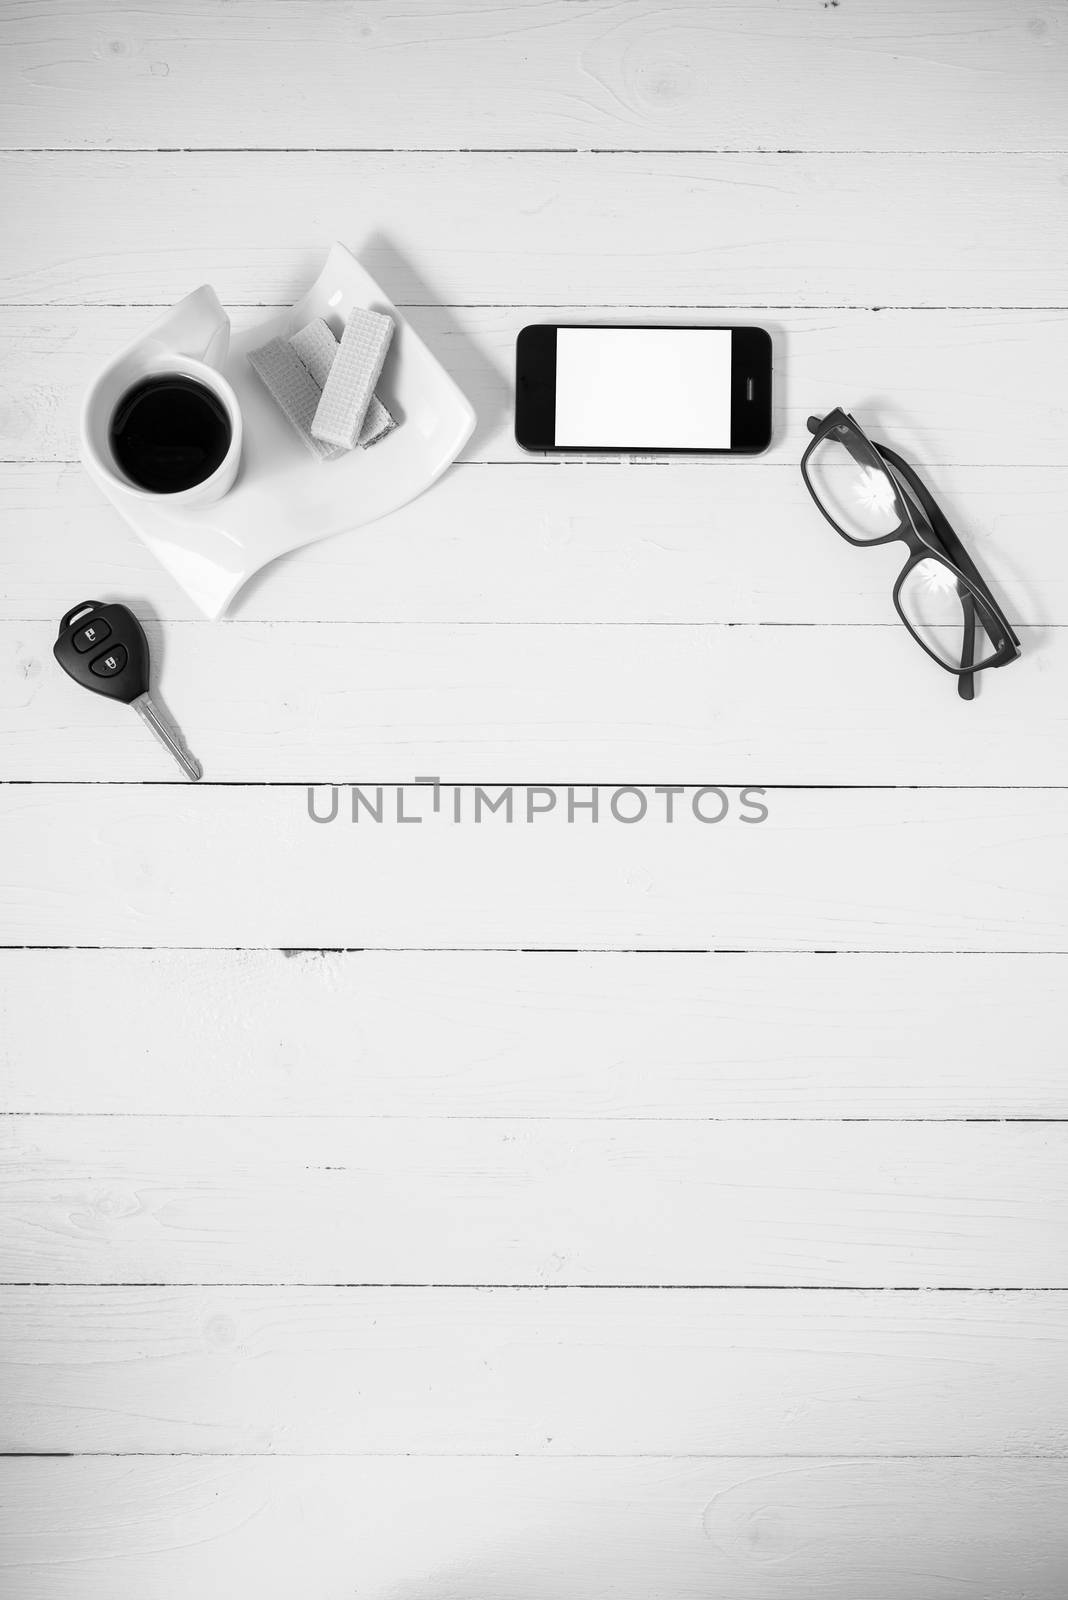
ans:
(487, 387)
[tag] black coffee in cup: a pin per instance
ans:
(169, 433)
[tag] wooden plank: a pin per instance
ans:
(470, 228)
(336, 701)
(175, 864)
(965, 387)
(754, 1529)
(514, 1372)
(507, 1034)
(626, 76)
(554, 545)
(302, 1200)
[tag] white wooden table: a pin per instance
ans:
(534, 1212)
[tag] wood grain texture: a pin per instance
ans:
(508, 1034)
(175, 864)
(755, 1529)
(468, 228)
(314, 702)
(554, 545)
(319, 1201)
(705, 74)
(521, 1372)
(979, 388)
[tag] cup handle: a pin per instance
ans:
(196, 327)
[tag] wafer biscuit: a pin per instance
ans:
(293, 390)
(317, 347)
(376, 424)
(350, 383)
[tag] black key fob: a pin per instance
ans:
(103, 647)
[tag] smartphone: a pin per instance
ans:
(667, 390)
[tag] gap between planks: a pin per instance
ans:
(194, 150)
(638, 1119)
(664, 1456)
(749, 306)
(492, 1286)
(546, 949)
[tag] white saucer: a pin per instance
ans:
(283, 497)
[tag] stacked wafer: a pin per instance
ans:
(326, 389)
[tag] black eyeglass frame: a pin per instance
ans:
(926, 531)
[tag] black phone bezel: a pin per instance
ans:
(535, 391)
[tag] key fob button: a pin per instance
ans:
(93, 633)
(109, 665)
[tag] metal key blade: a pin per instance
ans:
(146, 710)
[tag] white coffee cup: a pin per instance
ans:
(190, 341)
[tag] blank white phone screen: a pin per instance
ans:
(644, 388)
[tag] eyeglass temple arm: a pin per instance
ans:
(954, 550)
(940, 526)
(946, 535)
(966, 680)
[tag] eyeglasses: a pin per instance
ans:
(871, 496)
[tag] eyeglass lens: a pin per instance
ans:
(938, 607)
(853, 487)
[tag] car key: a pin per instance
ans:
(103, 647)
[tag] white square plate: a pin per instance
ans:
(283, 497)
